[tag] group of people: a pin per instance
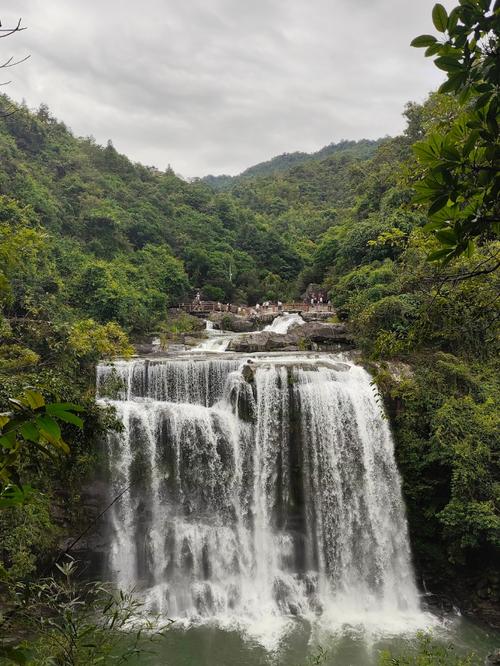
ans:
(268, 304)
(317, 299)
(314, 300)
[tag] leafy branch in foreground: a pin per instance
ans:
(32, 423)
(461, 180)
(78, 624)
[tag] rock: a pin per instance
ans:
(321, 332)
(191, 341)
(299, 337)
(316, 316)
(242, 325)
(248, 373)
(262, 342)
(227, 321)
(493, 659)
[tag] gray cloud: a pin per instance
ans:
(214, 86)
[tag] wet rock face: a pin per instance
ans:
(89, 542)
(317, 331)
(300, 337)
(493, 659)
(248, 372)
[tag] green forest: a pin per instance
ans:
(402, 232)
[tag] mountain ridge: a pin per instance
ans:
(363, 149)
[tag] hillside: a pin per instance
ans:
(94, 247)
(137, 240)
(362, 149)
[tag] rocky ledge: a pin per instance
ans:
(235, 323)
(313, 335)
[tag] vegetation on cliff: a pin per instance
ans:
(403, 233)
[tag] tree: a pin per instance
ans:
(461, 177)
(10, 62)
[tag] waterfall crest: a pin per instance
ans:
(262, 488)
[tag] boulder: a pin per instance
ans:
(262, 342)
(227, 321)
(321, 332)
(300, 337)
(248, 372)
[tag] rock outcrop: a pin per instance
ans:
(310, 336)
(226, 321)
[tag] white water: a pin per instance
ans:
(284, 322)
(253, 503)
(217, 340)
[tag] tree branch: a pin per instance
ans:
(7, 32)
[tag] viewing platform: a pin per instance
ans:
(205, 308)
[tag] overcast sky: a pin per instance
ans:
(214, 86)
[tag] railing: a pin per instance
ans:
(206, 307)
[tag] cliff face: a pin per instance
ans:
(470, 581)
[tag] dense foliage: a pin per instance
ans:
(116, 241)
(461, 180)
(94, 249)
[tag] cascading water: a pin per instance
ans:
(284, 322)
(259, 490)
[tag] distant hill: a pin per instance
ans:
(363, 149)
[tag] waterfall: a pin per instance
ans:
(262, 488)
(284, 322)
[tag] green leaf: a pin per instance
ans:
(64, 412)
(423, 193)
(424, 151)
(68, 417)
(434, 224)
(448, 64)
(32, 399)
(453, 82)
(438, 254)
(4, 419)
(423, 40)
(13, 495)
(30, 432)
(447, 237)
(441, 218)
(483, 100)
(451, 153)
(464, 94)
(438, 203)
(453, 20)
(8, 441)
(440, 17)
(470, 143)
(49, 428)
(432, 50)
(66, 406)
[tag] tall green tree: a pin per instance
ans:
(460, 182)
